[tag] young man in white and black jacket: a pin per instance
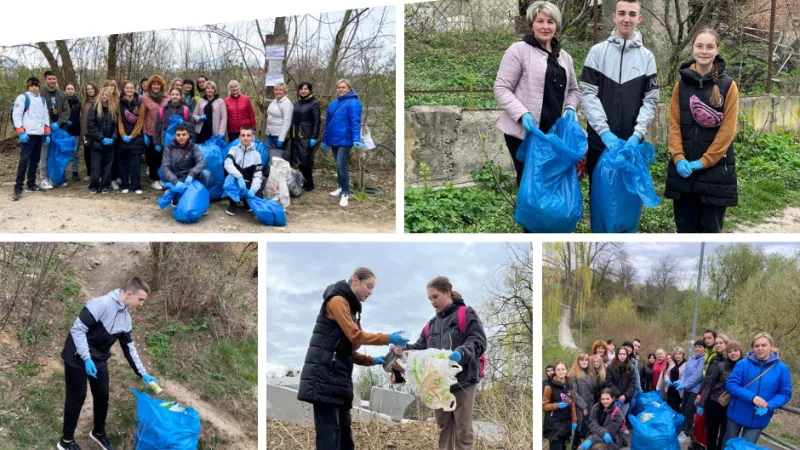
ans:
(244, 163)
(619, 86)
(102, 322)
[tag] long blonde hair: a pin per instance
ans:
(599, 373)
(576, 372)
(111, 100)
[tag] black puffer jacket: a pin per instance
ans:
(714, 384)
(558, 423)
(305, 126)
(646, 375)
(100, 128)
(606, 421)
(131, 114)
(444, 333)
(74, 115)
(621, 382)
(327, 375)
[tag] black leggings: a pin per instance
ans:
(716, 423)
(332, 424)
(153, 159)
(76, 394)
(513, 145)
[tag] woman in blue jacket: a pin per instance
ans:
(758, 385)
(342, 131)
(689, 383)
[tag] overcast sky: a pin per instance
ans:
(298, 273)
(642, 255)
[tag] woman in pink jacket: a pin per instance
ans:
(210, 115)
(154, 98)
(536, 81)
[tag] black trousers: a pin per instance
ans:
(29, 156)
(233, 136)
(582, 432)
(101, 168)
(332, 424)
(513, 145)
(716, 424)
(688, 413)
(87, 157)
(694, 216)
(153, 159)
(674, 400)
(308, 174)
(559, 443)
(130, 167)
(76, 394)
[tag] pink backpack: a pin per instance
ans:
(185, 113)
(462, 326)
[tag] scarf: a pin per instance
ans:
(156, 97)
(207, 130)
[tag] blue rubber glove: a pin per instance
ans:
(574, 427)
(179, 184)
(47, 140)
(251, 193)
(146, 140)
(242, 184)
(761, 411)
(570, 114)
(561, 405)
(313, 142)
(158, 148)
(108, 141)
(680, 387)
(696, 165)
(527, 123)
(378, 360)
(607, 438)
(358, 144)
(280, 144)
(149, 378)
(396, 339)
(669, 383)
(69, 123)
(23, 137)
(202, 118)
(126, 139)
(610, 140)
(619, 403)
(189, 180)
(54, 127)
(324, 147)
(700, 412)
(91, 369)
(455, 356)
(683, 168)
(586, 444)
(632, 141)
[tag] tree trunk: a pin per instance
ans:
(111, 61)
(157, 252)
(330, 71)
(66, 64)
(51, 59)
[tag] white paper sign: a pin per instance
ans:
(274, 78)
(275, 66)
(276, 51)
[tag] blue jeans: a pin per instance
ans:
(749, 434)
(342, 156)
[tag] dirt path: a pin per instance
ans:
(787, 222)
(107, 266)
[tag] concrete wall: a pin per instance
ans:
(453, 141)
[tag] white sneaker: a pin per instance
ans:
(138, 192)
(683, 438)
(343, 201)
(125, 191)
(64, 184)
(46, 184)
(336, 193)
(114, 185)
(87, 178)
(156, 185)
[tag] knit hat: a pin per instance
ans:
(32, 81)
(735, 345)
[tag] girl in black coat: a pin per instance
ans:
(558, 405)
(305, 131)
(646, 373)
(710, 392)
(621, 380)
(131, 147)
(74, 125)
(605, 423)
(102, 127)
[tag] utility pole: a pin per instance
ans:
(697, 293)
(279, 37)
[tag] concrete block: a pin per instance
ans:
(391, 403)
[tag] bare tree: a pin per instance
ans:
(664, 273)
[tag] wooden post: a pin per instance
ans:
(771, 48)
(279, 37)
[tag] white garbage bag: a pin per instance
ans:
(277, 187)
(431, 374)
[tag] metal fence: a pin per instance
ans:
(791, 410)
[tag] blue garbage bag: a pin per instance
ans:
(269, 212)
(212, 151)
(174, 121)
(644, 400)
(738, 443)
(654, 429)
(62, 150)
(621, 183)
(232, 190)
(260, 147)
(193, 203)
(158, 428)
(549, 197)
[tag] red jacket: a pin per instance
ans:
(240, 113)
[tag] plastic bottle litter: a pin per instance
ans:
(173, 406)
(156, 388)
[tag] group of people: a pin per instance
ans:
(119, 123)
(536, 85)
(731, 392)
(327, 377)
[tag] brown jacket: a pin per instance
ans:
(337, 309)
(548, 405)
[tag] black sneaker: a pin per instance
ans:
(231, 211)
(92, 191)
(247, 207)
(102, 439)
(17, 195)
(33, 188)
(75, 176)
(105, 191)
(68, 446)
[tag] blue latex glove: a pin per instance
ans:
(280, 144)
(313, 142)
(574, 426)
(527, 123)
(561, 405)
(23, 137)
(107, 141)
(619, 404)
(455, 356)
(179, 184)
(91, 369)
(47, 140)
(202, 118)
(126, 139)
(69, 123)
(610, 140)
(586, 444)
(695, 165)
(378, 360)
(146, 140)
(570, 114)
(396, 339)
(251, 193)
(54, 127)
(700, 412)
(761, 411)
(680, 387)
(324, 147)
(158, 148)
(149, 378)
(358, 144)
(684, 168)
(632, 141)
(241, 183)
(607, 438)
(669, 383)
(189, 180)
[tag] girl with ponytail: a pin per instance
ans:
(701, 176)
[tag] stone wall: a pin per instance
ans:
(453, 141)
